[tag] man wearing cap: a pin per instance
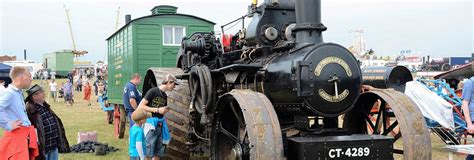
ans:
(50, 130)
(19, 138)
(156, 131)
(131, 96)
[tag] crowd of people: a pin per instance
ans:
(32, 129)
(31, 119)
(78, 82)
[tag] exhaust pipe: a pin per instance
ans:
(308, 22)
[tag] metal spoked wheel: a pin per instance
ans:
(246, 127)
(391, 113)
(233, 137)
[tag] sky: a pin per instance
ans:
(439, 28)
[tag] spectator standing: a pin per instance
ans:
(87, 93)
(131, 96)
(468, 107)
(79, 83)
(70, 76)
(68, 96)
(468, 103)
(88, 73)
(53, 89)
(101, 89)
(156, 130)
(45, 75)
(100, 75)
(50, 130)
(14, 120)
(81, 73)
(53, 74)
(96, 87)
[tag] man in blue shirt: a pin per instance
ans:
(67, 88)
(468, 103)
(468, 107)
(12, 104)
(131, 96)
(13, 116)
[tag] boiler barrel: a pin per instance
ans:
(386, 77)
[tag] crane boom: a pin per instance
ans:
(70, 28)
(75, 52)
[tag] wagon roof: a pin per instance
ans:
(157, 15)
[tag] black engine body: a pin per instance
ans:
(281, 53)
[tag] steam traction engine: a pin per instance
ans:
(278, 91)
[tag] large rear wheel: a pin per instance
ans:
(391, 113)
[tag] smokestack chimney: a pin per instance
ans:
(24, 54)
(308, 22)
(128, 18)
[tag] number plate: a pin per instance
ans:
(349, 152)
(341, 147)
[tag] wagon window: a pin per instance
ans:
(172, 35)
(178, 34)
(168, 35)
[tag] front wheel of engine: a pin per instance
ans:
(246, 127)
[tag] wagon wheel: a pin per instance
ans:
(119, 120)
(246, 127)
(395, 115)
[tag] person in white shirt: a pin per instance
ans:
(45, 75)
(53, 88)
(53, 74)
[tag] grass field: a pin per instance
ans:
(81, 117)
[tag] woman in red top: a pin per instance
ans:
(87, 93)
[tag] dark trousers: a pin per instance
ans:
(79, 88)
(110, 116)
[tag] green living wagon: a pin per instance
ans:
(149, 41)
(60, 61)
